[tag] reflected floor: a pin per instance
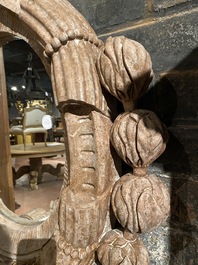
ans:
(26, 199)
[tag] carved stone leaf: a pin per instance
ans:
(125, 138)
(150, 140)
(139, 137)
(138, 64)
(140, 204)
(115, 249)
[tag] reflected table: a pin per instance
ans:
(35, 153)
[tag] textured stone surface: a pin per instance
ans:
(180, 156)
(158, 245)
(174, 92)
(170, 41)
(171, 246)
(172, 6)
(107, 13)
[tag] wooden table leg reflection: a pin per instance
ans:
(36, 169)
(35, 173)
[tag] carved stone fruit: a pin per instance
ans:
(116, 249)
(125, 69)
(140, 204)
(139, 137)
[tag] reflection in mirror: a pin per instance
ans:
(37, 168)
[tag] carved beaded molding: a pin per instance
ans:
(67, 36)
(80, 226)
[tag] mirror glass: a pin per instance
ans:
(38, 165)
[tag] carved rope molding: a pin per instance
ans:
(79, 223)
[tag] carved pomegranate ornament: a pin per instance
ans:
(139, 137)
(140, 204)
(140, 201)
(125, 69)
(117, 248)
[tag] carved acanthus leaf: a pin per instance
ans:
(116, 249)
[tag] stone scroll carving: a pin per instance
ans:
(80, 228)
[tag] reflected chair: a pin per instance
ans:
(32, 124)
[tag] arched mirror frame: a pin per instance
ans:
(48, 35)
(68, 48)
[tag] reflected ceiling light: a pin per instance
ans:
(14, 88)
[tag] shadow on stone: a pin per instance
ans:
(36, 252)
(167, 99)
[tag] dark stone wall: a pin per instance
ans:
(169, 31)
(106, 14)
